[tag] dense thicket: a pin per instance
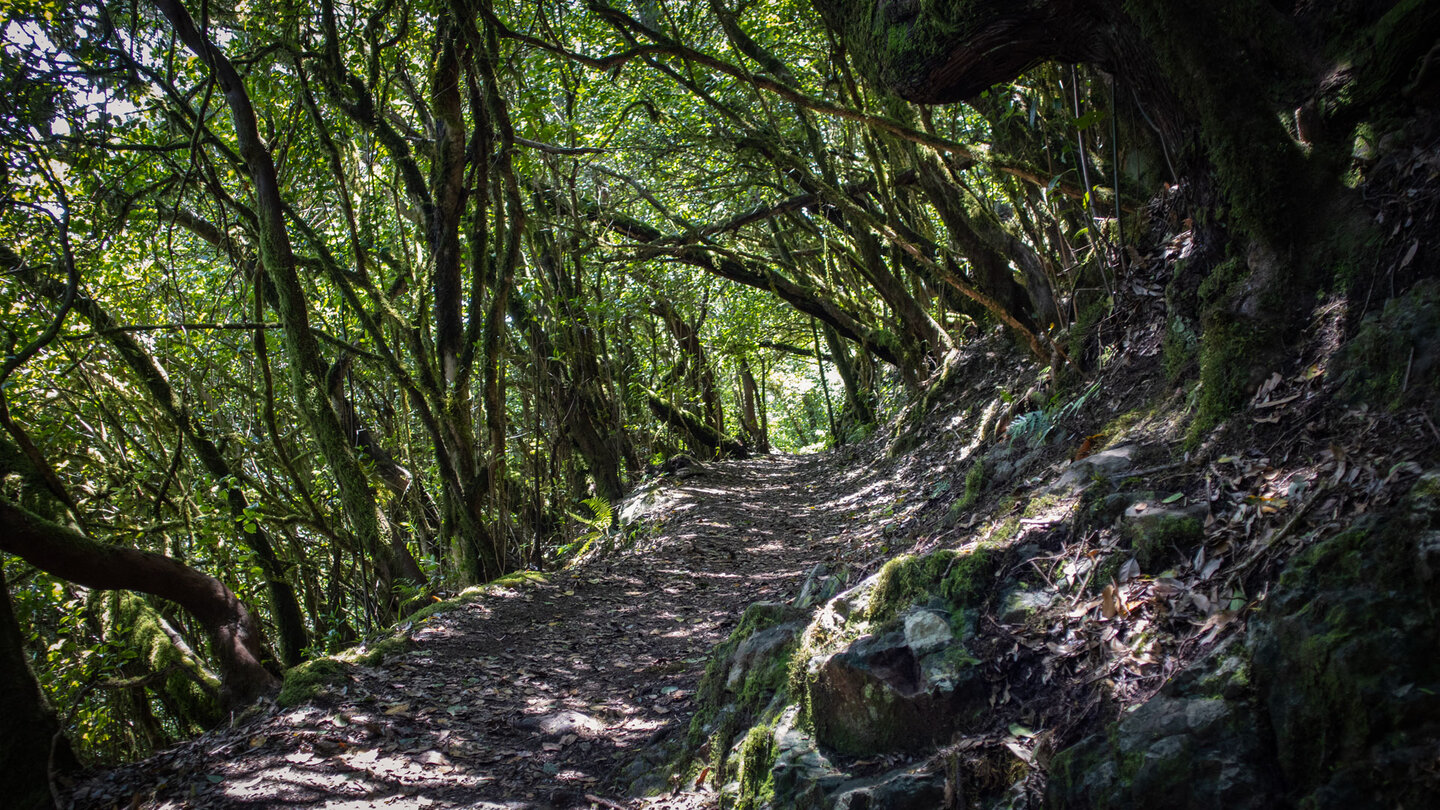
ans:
(314, 310)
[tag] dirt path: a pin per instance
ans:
(534, 697)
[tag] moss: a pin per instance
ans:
(1082, 330)
(1379, 364)
(1180, 347)
(755, 692)
(1040, 505)
(1155, 536)
(189, 689)
(1106, 570)
(756, 773)
(1005, 529)
(957, 656)
(958, 578)
(974, 484)
(310, 679)
(1227, 350)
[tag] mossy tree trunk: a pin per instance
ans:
(703, 437)
(307, 368)
(1218, 81)
(30, 738)
(235, 636)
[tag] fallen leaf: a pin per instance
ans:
(1130, 570)
(1410, 254)
(1109, 602)
(1019, 751)
(1210, 568)
(397, 709)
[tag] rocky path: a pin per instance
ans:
(538, 695)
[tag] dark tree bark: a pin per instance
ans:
(30, 738)
(937, 53)
(66, 553)
(749, 394)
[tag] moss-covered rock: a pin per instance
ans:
(745, 674)
(310, 680)
(1394, 358)
(1197, 744)
(1156, 532)
(1345, 656)
(895, 692)
(958, 578)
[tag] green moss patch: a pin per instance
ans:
(1393, 357)
(960, 578)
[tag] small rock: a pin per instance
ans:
(558, 724)
(1111, 463)
(927, 631)
(1020, 605)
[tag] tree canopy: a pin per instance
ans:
(313, 311)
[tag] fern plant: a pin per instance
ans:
(1034, 428)
(598, 525)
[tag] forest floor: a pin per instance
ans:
(536, 694)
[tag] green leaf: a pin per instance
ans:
(1173, 498)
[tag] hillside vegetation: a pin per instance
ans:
(1109, 331)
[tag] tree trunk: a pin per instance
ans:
(289, 621)
(938, 53)
(31, 741)
(857, 397)
(307, 369)
(754, 431)
(695, 427)
(66, 553)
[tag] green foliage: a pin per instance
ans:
(598, 525)
(1034, 428)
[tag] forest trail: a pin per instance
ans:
(537, 695)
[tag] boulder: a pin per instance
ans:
(1197, 745)
(802, 775)
(1156, 531)
(905, 789)
(760, 651)
(1347, 659)
(1020, 604)
(927, 631)
(905, 689)
(1112, 463)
